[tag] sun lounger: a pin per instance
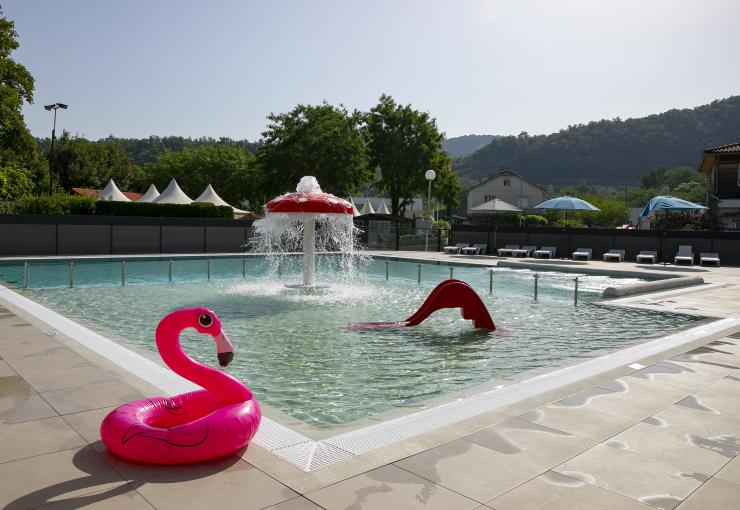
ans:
(546, 252)
(685, 254)
(508, 250)
(613, 255)
(648, 256)
(476, 249)
(709, 258)
(456, 248)
(524, 251)
(582, 253)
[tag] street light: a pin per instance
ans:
(429, 175)
(54, 107)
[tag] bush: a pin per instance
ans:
(87, 205)
(195, 210)
(56, 204)
(535, 219)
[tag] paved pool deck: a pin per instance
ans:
(661, 434)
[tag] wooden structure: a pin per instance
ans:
(722, 168)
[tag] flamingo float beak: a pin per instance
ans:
(224, 349)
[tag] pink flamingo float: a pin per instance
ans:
(200, 425)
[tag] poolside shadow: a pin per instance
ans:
(101, 475)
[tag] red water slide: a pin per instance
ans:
(448, 294)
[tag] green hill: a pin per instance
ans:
(461, 146)
(609, 152)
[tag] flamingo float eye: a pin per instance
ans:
(205, 320)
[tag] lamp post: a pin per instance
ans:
(54, 107)
(429, 175)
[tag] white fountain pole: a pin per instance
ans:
(309, 250)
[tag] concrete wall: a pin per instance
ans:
(22, 235)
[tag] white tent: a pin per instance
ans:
(111, 192)
(494, 206)
(367, 208)
(355, 210)
(383, 209)
(172, 194)
(210, 196)
(150, 194)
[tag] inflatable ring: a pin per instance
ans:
(200, 425)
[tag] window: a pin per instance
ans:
(506, 182)
(488, 198)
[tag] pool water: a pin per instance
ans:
(294, 354)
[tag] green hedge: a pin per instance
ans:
(87, 205)
(195, 210)
(56, 204)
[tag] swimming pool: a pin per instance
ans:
(296, 357)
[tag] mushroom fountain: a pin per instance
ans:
(291, 222)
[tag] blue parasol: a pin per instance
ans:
(567, 203)
(669, 203)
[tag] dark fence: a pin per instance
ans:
(115, 235)
(566, 241)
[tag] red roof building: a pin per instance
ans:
(95, 192)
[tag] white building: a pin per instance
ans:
(510, 188)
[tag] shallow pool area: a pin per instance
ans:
(295, 355)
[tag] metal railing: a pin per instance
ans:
(209, 274)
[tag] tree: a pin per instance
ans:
(82, 163)
(16, 86)
(229, 169)
(691, 191)
(15, 182)
(682, 174)
(324, 141)
(446, 188)
(19, 161)
(612, 213)
(653, 178)
(404, 143)
(610, 152)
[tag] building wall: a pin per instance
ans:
(508, 188)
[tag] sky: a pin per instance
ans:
(134, 68)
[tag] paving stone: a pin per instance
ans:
(470, 469)
(67, 475)
(579, 421)
(715, 494)
(389, 488)
(27, 439)
(526, 441)
(58, 369)
(122, 497)
(703, 446)
(224, 483)
(731, 471)
(553, 491)
(24, 408)
(295, 504)
(91, 396)
(646, 480)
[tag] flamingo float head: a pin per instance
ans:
(205, 321)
